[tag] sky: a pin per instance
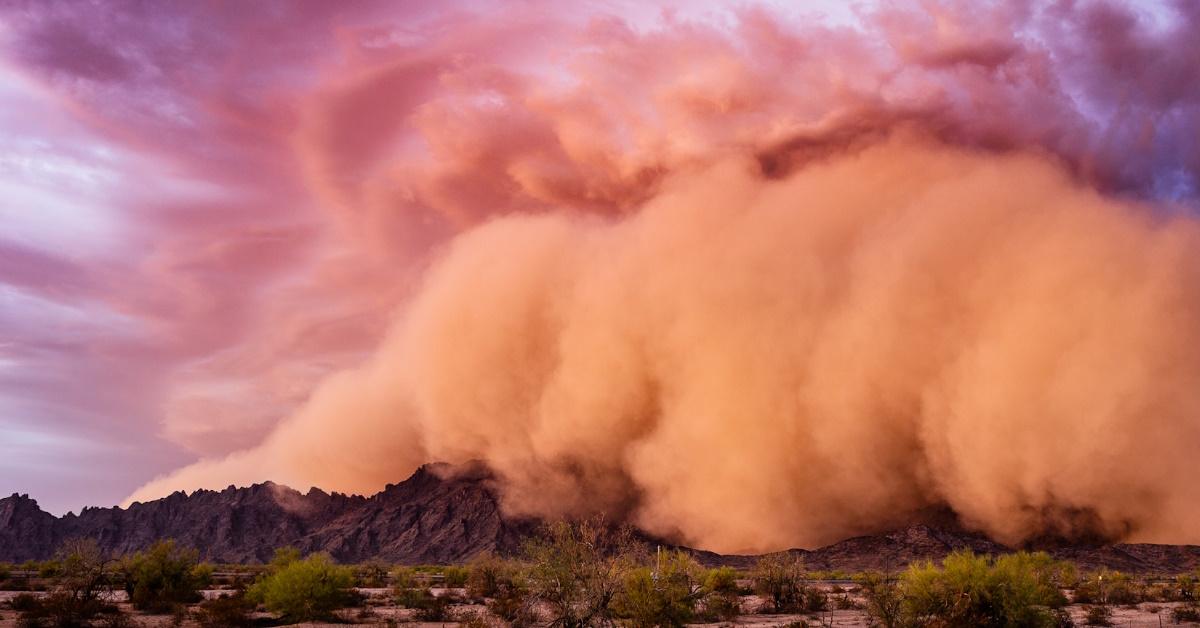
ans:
(209, 209)
(181, 259)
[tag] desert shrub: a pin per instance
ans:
(404, 578)
(474, 620)
(577, 569)
(227, 611)
(782, 581)
(1186, 588)
(512, 602)
(80, 577)
(454, 577)
(5, 571)
(884, 601)
(844, 602)
(373, 574)
(503, 585)
(304, 590)
(428, 607)
(164, 576)
(60, 610)
(1061, 618)
(485, 574)
(720, 601)
(815, 600)
(410, 591)
(1016, 590)
(23, 602)
(663, 596)
(1098, 616)
(1188, 613)
(1108, 587)
(48, 568)
(1025, 585)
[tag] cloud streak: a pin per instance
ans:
(598, 245)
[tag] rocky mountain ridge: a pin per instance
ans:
(448, 515)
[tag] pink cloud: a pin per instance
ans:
(292, 165)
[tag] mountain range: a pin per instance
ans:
(448, 515)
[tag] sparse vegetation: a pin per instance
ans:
(1109, 587)
(1098, 616)
(664, 595)
(1017, 590)
(720, 601)
(576, 571)
(588, 574)
(227, 611)
(485, 574)
(80, 577)
(884, 601)
(782, 580)
(164, 577)
(454, 577)
(303, 589)
(373, 574)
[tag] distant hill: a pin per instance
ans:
(448, 515)
(432, 517)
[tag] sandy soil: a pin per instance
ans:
(379, 610)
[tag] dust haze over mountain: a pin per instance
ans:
(767, 284)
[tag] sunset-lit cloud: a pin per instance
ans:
(216, 214)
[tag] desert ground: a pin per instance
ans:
(379, 608)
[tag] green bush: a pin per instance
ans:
(512, 601)
(373, 574)
(884, 599)
(1186, 588)
(1108, 587)
(304, 590)
(48, 568)
(576, 569)
(404, 578)
(782, 581)
(429, 607)
(5, 571)
(1017, 591)
(454, 577)
(720, 601)
(663, 596)
(164, 576)
(485, 574)
(225, 612)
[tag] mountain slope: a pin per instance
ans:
(448, 515)
(437, 515)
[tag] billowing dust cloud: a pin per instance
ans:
(813, 307)
(753, 363)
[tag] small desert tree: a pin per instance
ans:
(485, 574)
(373, 573)
(884, 601)
(662, 595)
(303, 589)
(80, 578)
(1014, 591)
(721, 601)
(164, 576)
(781, 579)
(577, 569)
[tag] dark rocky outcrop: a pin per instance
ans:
(438, 515)
(448, 515)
